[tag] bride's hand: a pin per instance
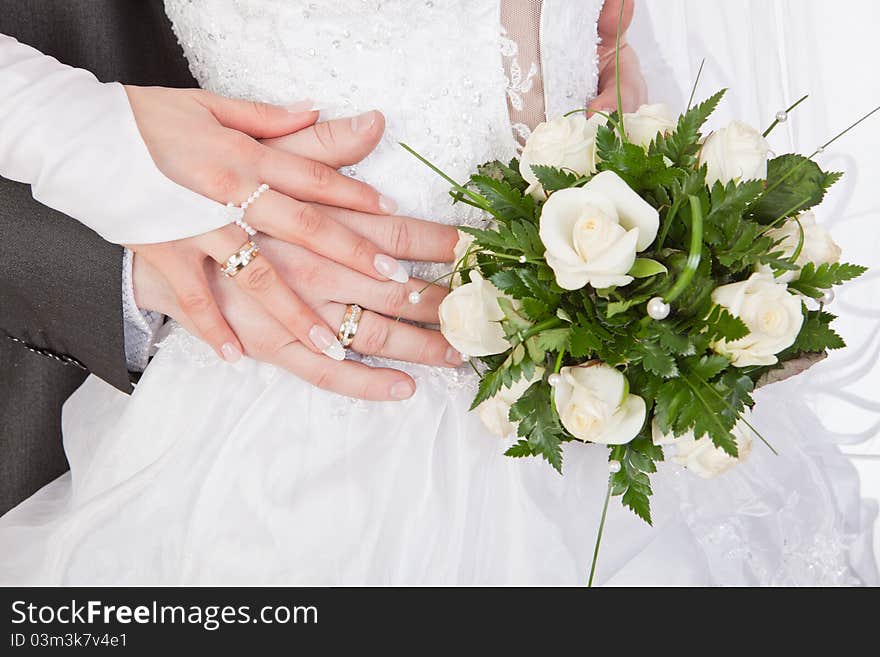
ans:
(633, 89)
(210, 145)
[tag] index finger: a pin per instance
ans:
(402, 237)
(347, 378)
(311, 180)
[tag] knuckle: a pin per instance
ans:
(427, 352)
(323, 379)
(261, 111)
(311, 278)
(396, 297)
(362, 249)
(399, 237)
(375, 339)
(366, 390)
(222, 183)
(324, 135)
(194, 303)
(259, 277)
(239, 145)
(309, 220)
(271, 347)
(319, 174)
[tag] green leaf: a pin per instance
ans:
(490, 239)
(673, 342)
(708, 408)
(707, 367)
(505, 374)
(654, 359)
(813, 280)
(637, 460)
(683, 143)
(553, 339)
(745, 248)
(794, 184)
(534, 309)
(519, 449)
(816, 334)
(508, 173)
(526, 235)
(508, 202)
(616, 307)
(721, 325)
(640, 170)
(538, 289)
(512, 315)
(728, 204)
(645, 267)
(553, 179)
(539, 424)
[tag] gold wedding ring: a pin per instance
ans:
(240, 259)
(349, 326)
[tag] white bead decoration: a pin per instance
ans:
(464, 358)
(781, 116)
(240, 222)
(522, 259)
(658, 309)
(553, 380)
(827, 297)
(613, 466)
(414, 297)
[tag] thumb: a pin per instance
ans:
(260, 120)
(605, 102)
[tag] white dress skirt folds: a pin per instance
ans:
(213, 473)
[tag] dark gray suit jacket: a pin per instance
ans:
(60, 284)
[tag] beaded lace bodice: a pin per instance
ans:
(438, 69)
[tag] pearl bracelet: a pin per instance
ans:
(240, 222)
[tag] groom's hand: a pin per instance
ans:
(211, 145)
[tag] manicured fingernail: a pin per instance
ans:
(402, 390)
(453, 356)
(387, 205)
(363, 122)
(307, 105)
(390, 268)
(230, 352)
(324, 340)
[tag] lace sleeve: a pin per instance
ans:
(520, 51)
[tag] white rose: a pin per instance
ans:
(818, 247)
(737, 152)
(568, 142)
(700, 456)
(772, 314)
(470, 318)
(647, 122)
(592, 233)
(465, 242)
(594, 404)
(495, 411)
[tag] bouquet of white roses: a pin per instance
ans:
(634, 281)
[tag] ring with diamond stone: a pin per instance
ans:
(240, 259)
(239, 219)
(349, 326)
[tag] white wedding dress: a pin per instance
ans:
(242, 474)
